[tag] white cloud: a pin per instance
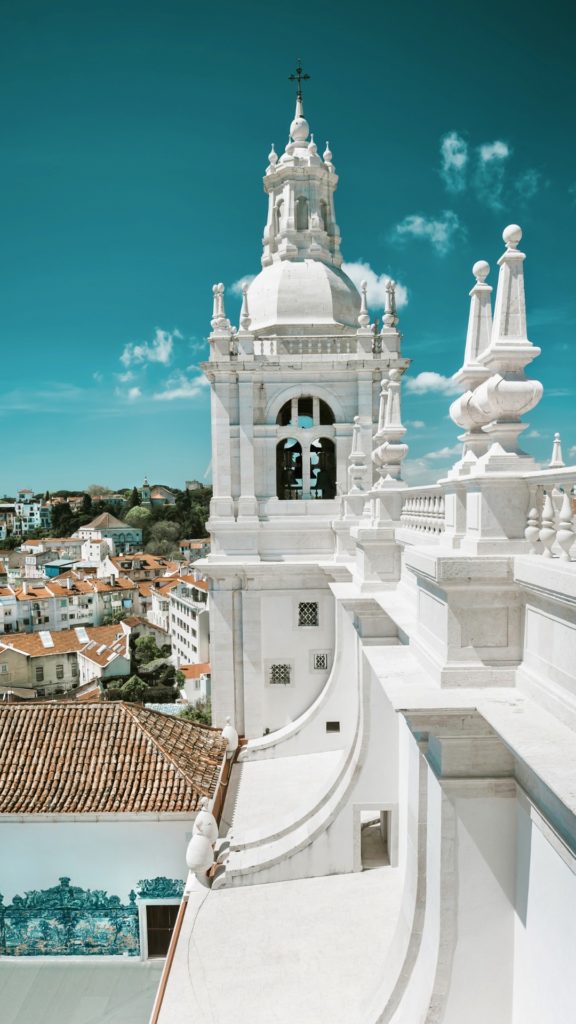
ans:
(180, 386)
(376, 292)
(440, 233)
(444, 453)
(533, 433)
(133, 394)
(454, 154)
(429, 381)
(236, 288)
(416, 424)
(97, 376)
(490, 172)
(158, 351)
(125, 378)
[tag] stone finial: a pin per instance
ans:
(390, 450)
(231, 736)
(363, 316)
(218, 312)
(556, 462)
(199, 855)
(512, 236)
(390, 316)
(327, 155)
(205, 823)
(357, 461)
(245, 319)
(273, 157)
(312, 147)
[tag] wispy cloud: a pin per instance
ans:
(572, 452)
(359, 271)
(533, 433)
(490, 172)
(180, 386)
(133, 394)
(159, 350)
(416, 424)
(444, 453)
(98, 376)
(238, 285)
(529, 183)
(454, 161)
(440, 233)
(429, 382)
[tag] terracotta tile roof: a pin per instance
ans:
(64, 641)
(193, 582)
(44, 591)
(103, 654)
(74, 758)
(202, 668)
(107, 521)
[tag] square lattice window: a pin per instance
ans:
(320, 661)
(280, 675)
(308, 613)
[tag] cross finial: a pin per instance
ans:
(299, 76)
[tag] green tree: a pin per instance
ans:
(86, 505)
(113, 618)
(146, 649)
(98, 490)
(134, 689)
(200, 712)
(138, 516)
(134, 501)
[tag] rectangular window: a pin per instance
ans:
(160, 921)
(320, 661)
(332, 726)
(3, 668)
(74, 670)
(308, 613)
(39, 675)
(59, 671)
(280, 675)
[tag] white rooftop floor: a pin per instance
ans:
(86, 991)
(266, 796)
(304, 952)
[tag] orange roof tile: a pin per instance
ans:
(195, 671)
(74, 758)
(65, 641)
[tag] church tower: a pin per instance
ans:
(291, 388)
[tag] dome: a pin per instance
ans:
(303, 296)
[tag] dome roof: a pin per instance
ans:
(303, 297)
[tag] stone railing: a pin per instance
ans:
(278, 347)
(550, 522)
(423, 510)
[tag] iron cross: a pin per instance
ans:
(299, 77)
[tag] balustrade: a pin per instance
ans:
(550, 522)
(424, 511)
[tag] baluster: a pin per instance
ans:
(565, 535)
(548, 530)
(532, 531)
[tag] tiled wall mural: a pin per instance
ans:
(68, 921)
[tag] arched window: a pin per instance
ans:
(289, 469)
(306, 411)
(325, 214)
(323, 468)
(301, 214)
(278, 215)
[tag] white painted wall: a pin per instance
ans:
(110, 855)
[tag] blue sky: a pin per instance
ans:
(134, 139)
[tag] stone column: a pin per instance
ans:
(247, 507)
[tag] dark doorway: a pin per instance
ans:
(160, 921)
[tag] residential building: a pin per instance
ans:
(189, 621)
(48, 663)
(72, 599)
(159, 595)
(191, 550)
(108, 527)
(156, 496)
(141, 566)
(196, 687)
(30, 514)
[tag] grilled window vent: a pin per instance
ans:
(308, 613)
(280, 675)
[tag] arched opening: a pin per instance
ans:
(325, 214)
(323, 468)
(301, 214)
(278, 215)
(289, 469)
(306, 411)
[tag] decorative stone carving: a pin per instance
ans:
(160, 888)
(66, 920)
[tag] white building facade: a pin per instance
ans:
(446, 703)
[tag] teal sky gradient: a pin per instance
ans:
(134, 139)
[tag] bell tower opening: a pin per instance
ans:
(289, 469)
(305, 461)
(323, 468)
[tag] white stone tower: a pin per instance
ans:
(303, 372)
